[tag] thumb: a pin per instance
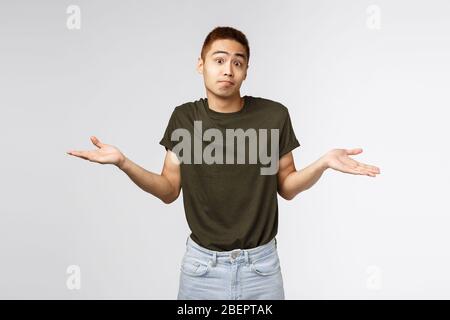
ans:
(96, 142)
(353, 151)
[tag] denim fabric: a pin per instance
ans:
(239, 274)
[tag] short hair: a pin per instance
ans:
(225, 33)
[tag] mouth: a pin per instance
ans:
(227, 82)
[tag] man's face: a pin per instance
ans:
(226, 60)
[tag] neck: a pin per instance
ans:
(225, 104)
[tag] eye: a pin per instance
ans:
(238, 63)
(218, 60)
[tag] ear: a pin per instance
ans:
(200, 65)
(245, 77)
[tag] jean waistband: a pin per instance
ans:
(252, 254)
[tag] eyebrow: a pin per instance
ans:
(227, 53)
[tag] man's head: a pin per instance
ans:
(224, 57)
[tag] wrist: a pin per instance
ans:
(323, 163)
(122, 162)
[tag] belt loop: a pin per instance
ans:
(214, 259)
(275, 242)
(187, 239)
(247, 260)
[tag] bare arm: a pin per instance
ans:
(291, 182)
(165, 186)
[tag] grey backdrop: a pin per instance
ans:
(351, 74)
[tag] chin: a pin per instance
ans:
(227, 95)
(221, 94)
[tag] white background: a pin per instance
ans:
(346, 85)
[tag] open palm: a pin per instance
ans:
(339, 159)
(105, 154)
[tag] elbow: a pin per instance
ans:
(168, 200)
(290, 197)
(287, 196)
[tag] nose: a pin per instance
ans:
(228, 71)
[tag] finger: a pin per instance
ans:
(80, 154)
(353, 151)
(356, 168)
(356, 164)
(353, 171)
(350, 168)
(369, 167)
(96, 142)
(363, 171)
(370, 172)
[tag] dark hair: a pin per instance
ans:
(225, 33)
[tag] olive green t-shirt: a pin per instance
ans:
(230, 204)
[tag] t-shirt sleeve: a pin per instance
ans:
(288, 140)
(171, 126)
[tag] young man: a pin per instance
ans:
(232, 156)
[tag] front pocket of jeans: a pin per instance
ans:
(194, 267)
(266, 266)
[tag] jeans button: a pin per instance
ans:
(235, 253)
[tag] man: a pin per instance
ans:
(231, 155)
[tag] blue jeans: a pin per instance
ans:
(239, 274)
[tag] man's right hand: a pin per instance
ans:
(105, 154)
